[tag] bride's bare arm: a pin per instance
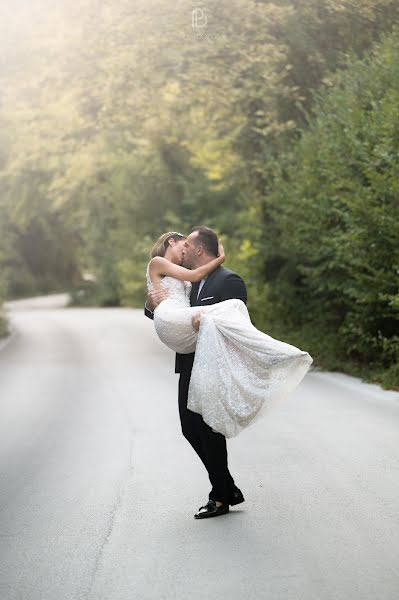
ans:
(160, 267)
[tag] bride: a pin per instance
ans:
(238, 371)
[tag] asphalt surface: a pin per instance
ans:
(99, 487)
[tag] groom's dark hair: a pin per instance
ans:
(208, 239)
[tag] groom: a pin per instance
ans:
(201, 246)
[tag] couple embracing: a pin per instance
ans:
(230, 372)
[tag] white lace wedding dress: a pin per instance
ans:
(238, 371)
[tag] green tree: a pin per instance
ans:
(339, 217)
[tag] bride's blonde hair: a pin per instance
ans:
(161, 245)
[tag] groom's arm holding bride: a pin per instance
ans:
(154, 298)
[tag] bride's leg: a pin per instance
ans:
(226, 310)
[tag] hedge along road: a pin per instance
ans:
(99, 487)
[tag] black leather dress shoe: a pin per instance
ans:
(236, 497)
(211, 510)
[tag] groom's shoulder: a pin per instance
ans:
(227, 273)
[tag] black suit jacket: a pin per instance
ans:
(221, 284)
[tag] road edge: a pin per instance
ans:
(351, 382)
(4, 341)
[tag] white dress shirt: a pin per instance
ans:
(201, 286)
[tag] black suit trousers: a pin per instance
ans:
(210, 446)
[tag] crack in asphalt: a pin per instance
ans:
(100, 552)
(112, 515)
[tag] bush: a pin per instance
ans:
(337, 205)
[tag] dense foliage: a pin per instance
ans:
(121, 121)
(337, 204)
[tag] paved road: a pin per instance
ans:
(98, 486)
